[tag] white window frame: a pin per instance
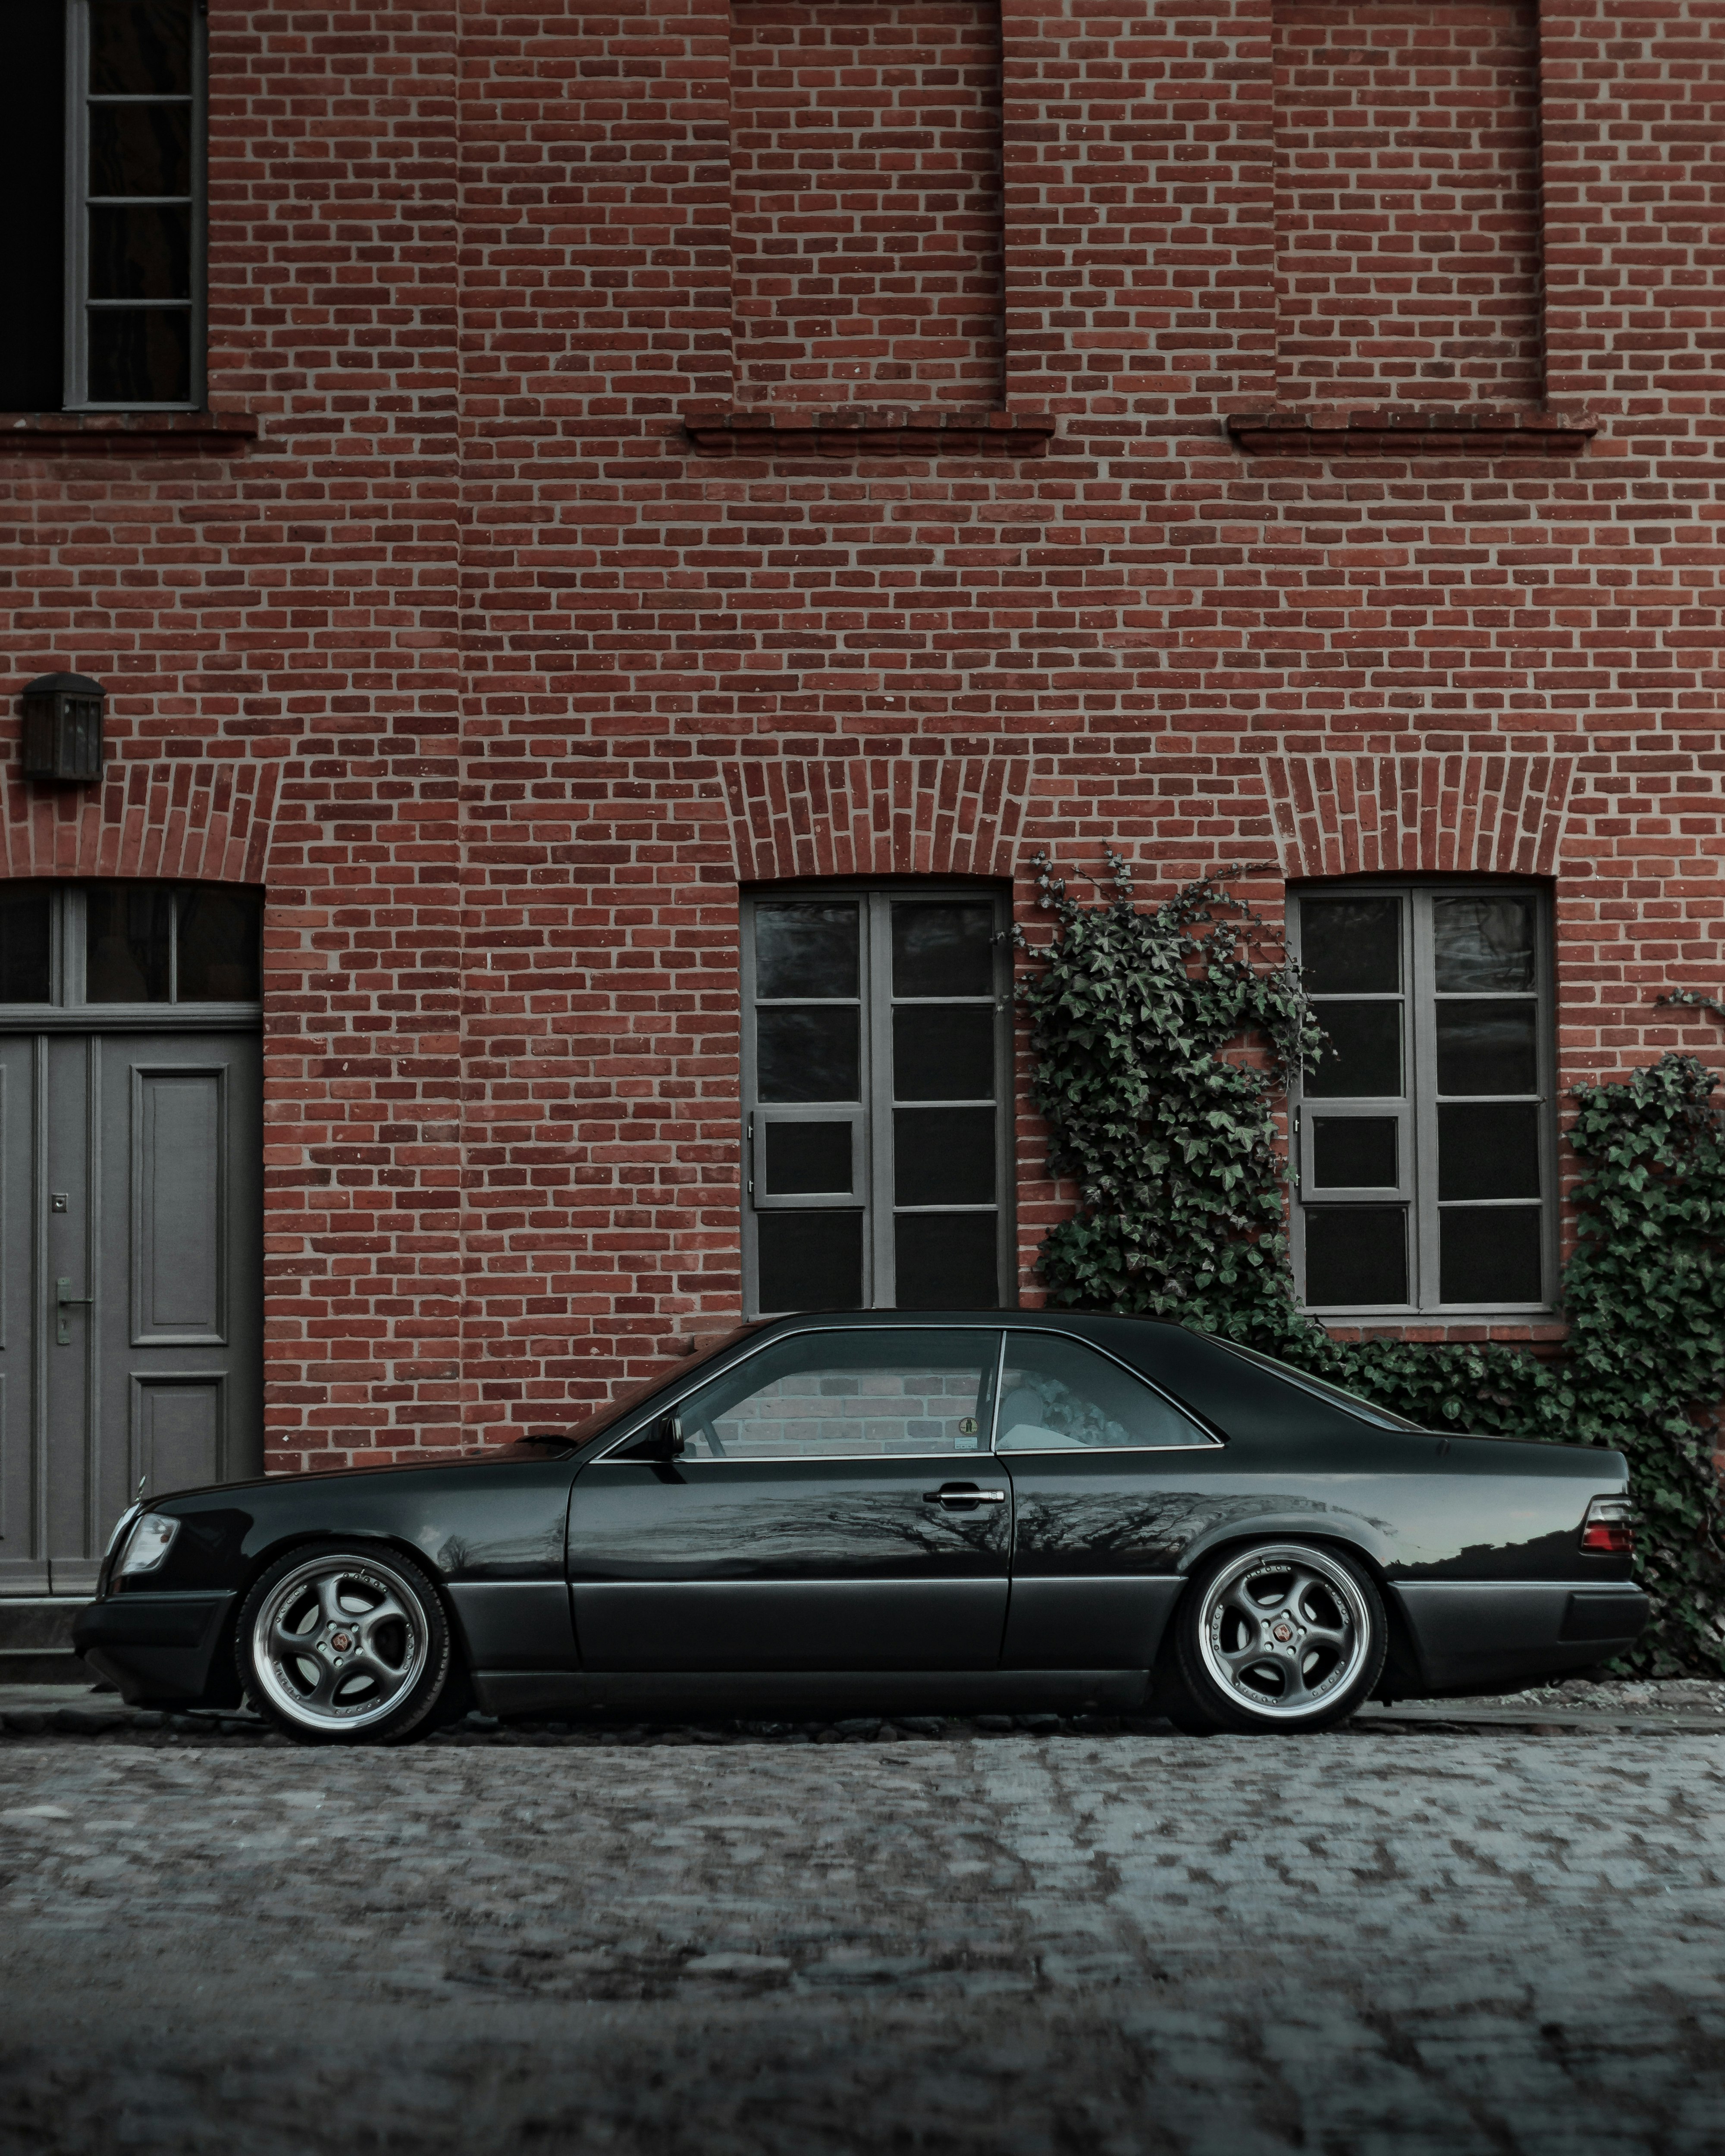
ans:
(80, 201)
(1416, 1108)
(872, 1190)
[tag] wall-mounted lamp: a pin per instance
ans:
(63, 729)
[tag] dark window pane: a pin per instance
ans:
(1056, 1395)
(808, 1054)
(943, 1052)
(140, 355)
(943, 1155)
(218, 946)
(128, 928)
(946, 1261)
(806, 949)
(24, 974)
(943, 950)
(137, 46)
(1354, 1152)
(810, 1261)
(1356, 1256)
(1487, 1048)
(1351, 945)
(807, 1158)
(1483, 942)
(861, 1391)
(1363, 1058)
(1488, 1153)
(140, 254)
(1491, 1254)
(32, 238)
(140, 149)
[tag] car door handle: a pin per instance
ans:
(956, 1496)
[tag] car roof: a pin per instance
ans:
(1059, 1320)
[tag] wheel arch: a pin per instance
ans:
(299, 1538)
(1402, 1668)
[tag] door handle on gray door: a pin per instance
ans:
(63, 1337)
(960, 1496)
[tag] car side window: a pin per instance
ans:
(1057, 1395)
(843, 1395)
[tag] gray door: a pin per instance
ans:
(131, 1291)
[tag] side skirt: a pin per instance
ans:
(506, 1692)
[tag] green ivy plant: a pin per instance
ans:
(1164, 1039)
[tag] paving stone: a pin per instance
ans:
(1360, 1944)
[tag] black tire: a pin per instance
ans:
(1234, 1670)
(339, 1643)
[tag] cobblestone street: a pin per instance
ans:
(1405, 1939)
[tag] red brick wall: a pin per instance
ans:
(537, 683)
(1407, 188)
(866, 201)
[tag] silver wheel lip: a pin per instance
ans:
(265, 1659)
(1272, 1557)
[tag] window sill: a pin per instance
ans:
(1403, 1323)
(34, 432)
(1328, 430)
(904, 431)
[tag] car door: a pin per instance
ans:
(1109, 1476)
(836, 1507)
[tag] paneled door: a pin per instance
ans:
(132, 1163)
(130, 1167)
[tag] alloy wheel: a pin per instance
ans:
(1283, 1632)
(339, 1642)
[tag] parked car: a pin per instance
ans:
(881, 1512)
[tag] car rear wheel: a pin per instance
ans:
(342, 1646)
(1283, 1635)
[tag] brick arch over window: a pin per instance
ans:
(206, 820)
(1462, 814)
(876, 815)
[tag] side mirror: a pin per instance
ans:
(666, 1441)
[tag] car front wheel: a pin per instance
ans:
(1280, 1636)
(342, 1646)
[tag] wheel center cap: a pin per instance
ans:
(342, 1642)
(1283, 1633)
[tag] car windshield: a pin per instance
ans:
(1321, 1388)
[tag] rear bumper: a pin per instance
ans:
(1492, 1633)
(158, 1649)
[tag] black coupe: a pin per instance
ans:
(881, 1512)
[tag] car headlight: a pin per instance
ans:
(149, 1541)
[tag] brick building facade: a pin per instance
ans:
(645, 459)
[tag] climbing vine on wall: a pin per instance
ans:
(1164, 1038)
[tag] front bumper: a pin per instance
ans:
(160, 1649)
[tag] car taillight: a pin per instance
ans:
(1606, 1530)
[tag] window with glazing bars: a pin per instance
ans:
(72, 944)
(1425, 1139)
(103, 247)
(877, 1069)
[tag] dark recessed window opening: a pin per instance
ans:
(103, 244)
(1425, 1139)
(74, 944)
(877, 1072)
